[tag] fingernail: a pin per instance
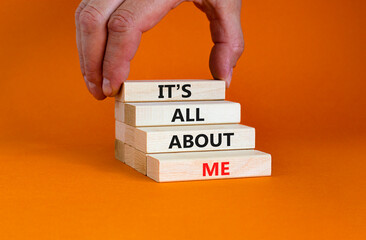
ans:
(228, 79)
(107, 88)
(92, 88)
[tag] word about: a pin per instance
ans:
(201, 140)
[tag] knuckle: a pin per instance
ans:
(90, 18)
(121, 21)
(79, 9)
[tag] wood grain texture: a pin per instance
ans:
(140, 161)
(130, 156)
(187, 138)
(177, 113)
(119, 111)
(171, 90)
(119, 150)
(168, 167)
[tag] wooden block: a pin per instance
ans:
(140, 161)
(136, 159)
(178, 113)
(187, 138)
(171, 90)
(130, 156)
(168, 167)
(119, 150)
(119, 111)
(127, 134)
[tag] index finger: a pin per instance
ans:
(125, 28)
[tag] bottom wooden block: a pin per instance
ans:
(130, 156)
(119, 150)
(168, 167)
(186, 166)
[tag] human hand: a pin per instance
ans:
(108, 33)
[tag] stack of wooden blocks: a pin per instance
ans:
(181, 130)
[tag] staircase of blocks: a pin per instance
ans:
(184, 130)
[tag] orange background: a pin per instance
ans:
(301, 83)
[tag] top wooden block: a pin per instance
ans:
(171, 90)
